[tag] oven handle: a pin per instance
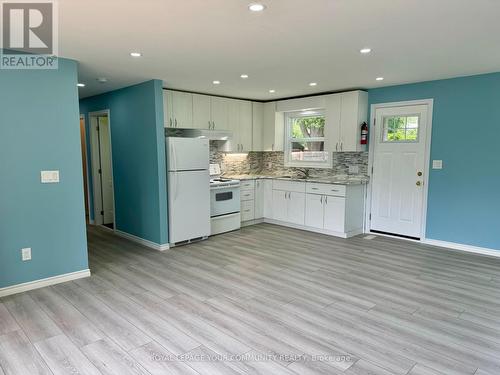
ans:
(223, 187)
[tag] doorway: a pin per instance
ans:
(102, 169)
(399, 161)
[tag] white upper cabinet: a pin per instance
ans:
(345, 112)
(202, 116)
(273, 132)
(220, 113)
(245, 130)
(178, 109)
(257, 126)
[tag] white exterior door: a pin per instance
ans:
(398, 170)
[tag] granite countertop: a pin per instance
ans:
(339, 180)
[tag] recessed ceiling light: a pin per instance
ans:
(365, 50)
(102, 79)
(135, 54)
(256, 7)
(272, 91)
(379, 78)
(80, 84)
(216, 82)
(244, 76)
(313, 84)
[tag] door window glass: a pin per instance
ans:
(400, 128)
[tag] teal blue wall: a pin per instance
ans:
(39, 130)
(139, 172)
(464, 199)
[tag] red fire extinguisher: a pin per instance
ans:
(364, 133)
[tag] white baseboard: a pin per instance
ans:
(142, 241)
(24, 287)
(462, 247)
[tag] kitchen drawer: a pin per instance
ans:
(247, 195)
(247, 184)
(296, 186)
(247, 210)
(326, 189)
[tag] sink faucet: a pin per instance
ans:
(304, 172)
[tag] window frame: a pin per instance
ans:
(288, 118)
(383, 132)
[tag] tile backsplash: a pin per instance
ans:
(272, 163)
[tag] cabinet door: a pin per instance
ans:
(280, 203)
(354, 113)
(257, 126)
(259, 199)
(296, 208)
(334, 219)
(201, 111)
(182, 104)
(314, 211)
(332, 122)
(167, 109)
(245, 126)
(219, 112)
(268, 131)
(268, 198)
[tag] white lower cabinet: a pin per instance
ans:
(289, 206)
(280, 205)
(314, 211)
(325, 212)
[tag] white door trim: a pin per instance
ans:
(82, 117)
(368, 202)
(108, 114)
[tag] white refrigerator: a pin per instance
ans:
(188, 182)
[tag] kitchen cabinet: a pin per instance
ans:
(268, 198)
(202, 115)
(335, 209)
(243, 133)
(257, 126)
(289, 201)
(178, 109)
(345, 112)
(219, 109)
(259, 199)
(273, 131)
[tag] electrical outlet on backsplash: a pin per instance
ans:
(272, 163)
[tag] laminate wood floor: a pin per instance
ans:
(262, 300)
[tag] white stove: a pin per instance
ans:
(224, 202)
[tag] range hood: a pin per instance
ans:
(213, 135)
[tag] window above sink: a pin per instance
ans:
(305, 139)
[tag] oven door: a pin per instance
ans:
(224, 200)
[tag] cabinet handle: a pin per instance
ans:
(170, 122)
(341, 144)
(175, 123)
(337, 146)
(321, 200)
(314, 188)
(209, 125)
(213, 125)
(326, 199)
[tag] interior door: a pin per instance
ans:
(106, 170)
(398, 168)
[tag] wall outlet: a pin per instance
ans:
(353, 169)
(26, 254)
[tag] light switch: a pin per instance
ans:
(49, 177)
(437, 164)
(26, 254)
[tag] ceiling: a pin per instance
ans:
(190, 43)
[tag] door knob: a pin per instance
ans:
(419, 174)
(419, 183)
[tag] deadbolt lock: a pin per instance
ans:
(419, 183)
(419, 174)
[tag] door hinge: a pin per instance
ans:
(372, 170)
(99, 171)
(102, 213)
(374, 121)
(97, 127)
(370, 216)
